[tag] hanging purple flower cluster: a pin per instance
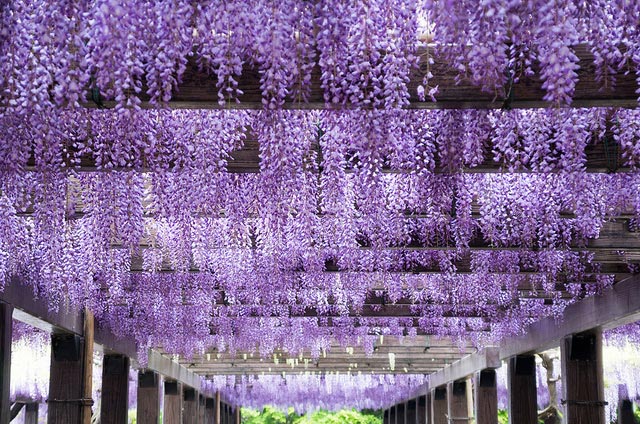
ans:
(143, 217)
(309, 392)
(64, 52)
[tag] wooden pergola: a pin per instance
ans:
(452, 367)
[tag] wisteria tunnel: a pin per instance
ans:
(429, 209)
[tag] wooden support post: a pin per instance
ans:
(583, 383)
(401, 413)
(69, 364)
(486, 397)
(439, 406)
(172, 403)
(217, 413)
(201, 409)
(31, 413)
(625, 406)
(421, 410)
(190, 406)
(429, 400)
(458, 403)
(6, 328)
(87, 366)
(392, 415)
(238, 415)
(148, 410)
(114, 406)
(523, 398)
(385, 416)
(412, 411)
(209, 410)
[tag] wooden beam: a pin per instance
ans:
(114, 405)
(523, 405)
(198, 89)
(616, 306)
(486, 396)
(487, 358)
(6, 331)
(172, 370)
(148, 407)
(582, 378)
(172, 413)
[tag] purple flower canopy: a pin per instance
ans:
(366, 52)
(274, 229)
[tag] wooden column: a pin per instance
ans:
(114, 406)
(190, 406)
(209, 410)
(625, 406)
(582, 378)
(87, 366)
(31, 413)
(172, 403)
(458, 402)
(411, 411)
(392, 415)
(201, 410)
(385, 416)
(523, 398)
(486, 397)
(421, 410)
(401, 413)
(439, 407)
(428, 408)
(148, 410)
(6, 329)
(67, 378)
(217, 413)
(238, 415)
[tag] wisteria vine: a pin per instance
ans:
(67, 52)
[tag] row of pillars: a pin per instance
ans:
(70, 395)
(474, 399)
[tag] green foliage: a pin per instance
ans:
(503, 416)
(271, 416)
